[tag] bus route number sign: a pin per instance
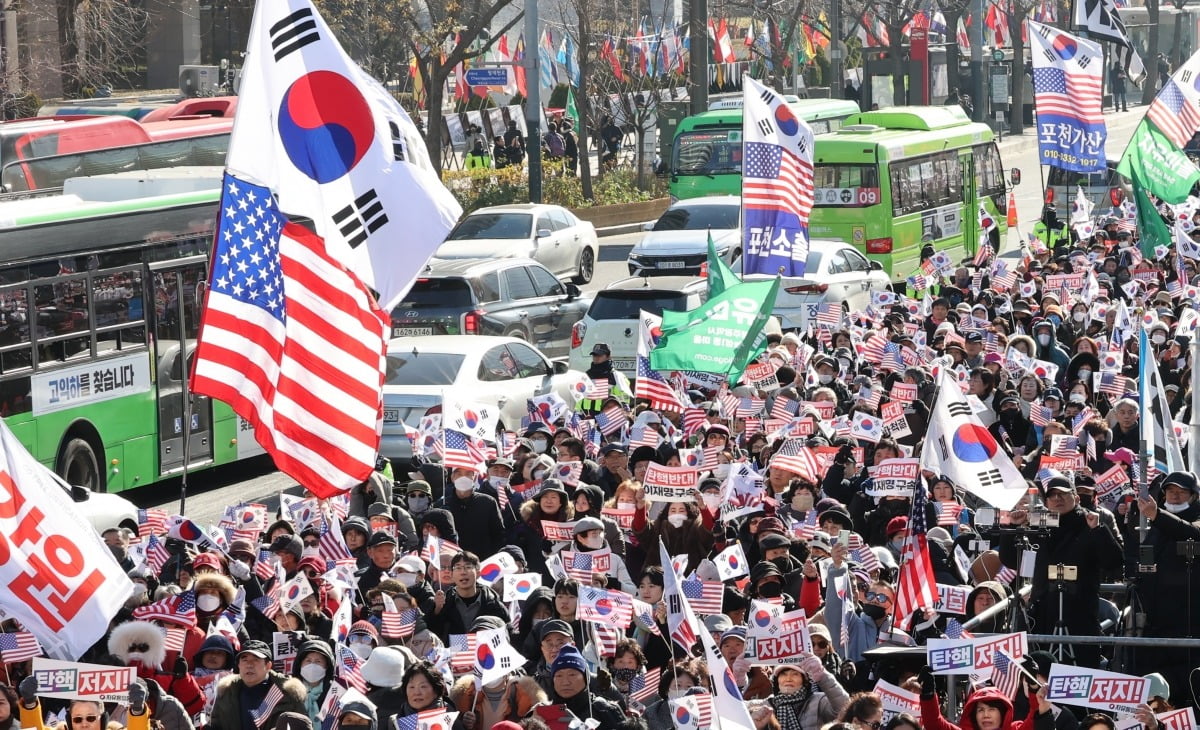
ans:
(856, 197)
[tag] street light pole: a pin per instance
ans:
(533, 102)
(838, 80)
(977, 77)
(698, 55)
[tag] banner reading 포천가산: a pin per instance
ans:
(1067, 76)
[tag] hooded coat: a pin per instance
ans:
(315, 696)
(931, 713)
(527, 635)
(149, 663)
(612, 532)
(444, 522)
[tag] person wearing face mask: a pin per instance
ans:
(589, 536)
(870, 624)
(1011, 427)
(498, 478)
(478, 511)
(1173, 518)
(766, 582)
(541, 441)
(550, 504)
(589, 502)
(418, 498)
(827, 377)
(1048, 348)
(679, 527)
(313, 665)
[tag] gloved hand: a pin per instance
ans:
(239, 570)
(181, 668)
(928, 683)
(812, 668)
(844, 455)
(137, 697)
(28, 691)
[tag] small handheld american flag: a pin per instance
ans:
(18, 647)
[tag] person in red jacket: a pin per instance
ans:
(985, 709)
(141, 644)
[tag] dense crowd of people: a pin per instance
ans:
(369, 609)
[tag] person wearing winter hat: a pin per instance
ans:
(289, 549)
(358, 714)
(362, 639)
(293, 721)
(384, 673)
(985, 709)
(570, 678)
(213, 661)
(313, 665)
(356, 532)
(589, 501)
(805, 695)
(142, 645)
(240, 693)
(552, 505)
(508, 698)
(589, 536)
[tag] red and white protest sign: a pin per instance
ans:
(670, 483)
(622, 516)
(897, 700)
(558, 531)
(824, 409)
(761, 376)
(895, 423)
(1095, 688)
(78, 681)
(893, 477)
(775, 637)
(904, 392)
(952, 599)
(62, 581)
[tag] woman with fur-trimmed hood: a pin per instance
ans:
(511, 698)
(215, 592)
(172, 699)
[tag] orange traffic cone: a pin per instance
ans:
(1012, 209)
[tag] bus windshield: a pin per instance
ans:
(708, 152)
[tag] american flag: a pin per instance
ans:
(1065, 89)
(947, 513)
(1040, 415)
(157, 554)
(1112, 384)
(578, 565)
(955, 630)
(749, 406)
(776, 179)
(293, 342)
(694, 419)
(398, 624)
(795, 457)
(917, 586)
(597, 390)
(644, 436)
(643, 616)
(644, 687)
(462, 451)
(1176, 112)
(436, 718)
(151, 522)
(806, 529)
(264, 566)
(18, 647)
(784, 408)
(1006, 673)
(175, 638)
(829, 314)
(1006, 575)
(606, 637)
(180, 609)
(331, 545)
(463, 646)
(349, 669)
(611, 419)
(704, 596)
(652, 386)
(263, 712)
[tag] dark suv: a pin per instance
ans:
(510, 297)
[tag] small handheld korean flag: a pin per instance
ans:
(731, 563)
(867, 427)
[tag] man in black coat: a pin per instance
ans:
(478, 513)
(1081, 541)
(456, 609)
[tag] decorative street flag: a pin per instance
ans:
(1067, 76)
(777, 184)
(336, 147)
(1100, 19)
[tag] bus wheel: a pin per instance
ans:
(79, 466)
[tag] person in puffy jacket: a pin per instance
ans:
(984, 709)
(806, 696)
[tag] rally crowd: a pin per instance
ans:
(432, 596)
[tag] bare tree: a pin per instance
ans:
(99, 42)
(1150, 84)
(444, 33)
(953, 10)
(1177, 56)
(372, 32)
(1018, 12)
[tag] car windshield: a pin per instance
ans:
(625, 304)
(430, 293)
(698, 218)
(423, 368)
(493, 225)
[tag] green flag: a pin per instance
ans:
(1157, 165)
(1152, 229)
(720, 276)
(572, 110)
(720, 336)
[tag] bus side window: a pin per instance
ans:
(899, 173)
(119, 310)
(16, 350)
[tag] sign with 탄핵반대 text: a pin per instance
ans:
(1096, 689)
(78, 681)
(974, 655)
(670, 483)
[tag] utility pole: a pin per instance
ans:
(838, 77)
(978, 80)
(533, 102)
(698, 54)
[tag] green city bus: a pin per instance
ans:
(706, 157)
(100, 296)
(891, 180)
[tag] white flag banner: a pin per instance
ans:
(336, 147)
(62, 582)
(959, 446)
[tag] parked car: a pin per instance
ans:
(677, 243)
(612, 317)
(834, 272)
(510, 297)
(506, 370)
(548, 234)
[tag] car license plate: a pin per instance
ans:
(411, 331)
(623, 364)
(670, 264)
(391, 415)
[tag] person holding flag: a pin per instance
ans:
(257, 695)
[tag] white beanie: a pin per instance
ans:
(385, 667)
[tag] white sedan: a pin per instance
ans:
(501, 370)
(548, 234)
(834, 272)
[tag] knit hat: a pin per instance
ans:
(385, 667)
(569, 658)
(896, 524)
(365, 627)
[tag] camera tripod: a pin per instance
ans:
(1061, 575)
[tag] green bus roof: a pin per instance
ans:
(861, 141)
(917, 118)
(807, 109)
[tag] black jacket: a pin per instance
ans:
(479, 515)
(450, 620)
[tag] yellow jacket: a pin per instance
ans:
(33, 719)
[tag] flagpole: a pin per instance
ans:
(1194, 441)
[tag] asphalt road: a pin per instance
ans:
(256, 480)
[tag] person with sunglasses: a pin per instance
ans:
(822, 645)
(864, 711)
(805, 695)
(81, 714)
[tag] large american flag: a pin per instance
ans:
(652, 386)
(1176, 112)
(704, 596)
(773, 178)
(293, 342)
(180, 609)
(917, 586)
(1067, 74)
(18, 647)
